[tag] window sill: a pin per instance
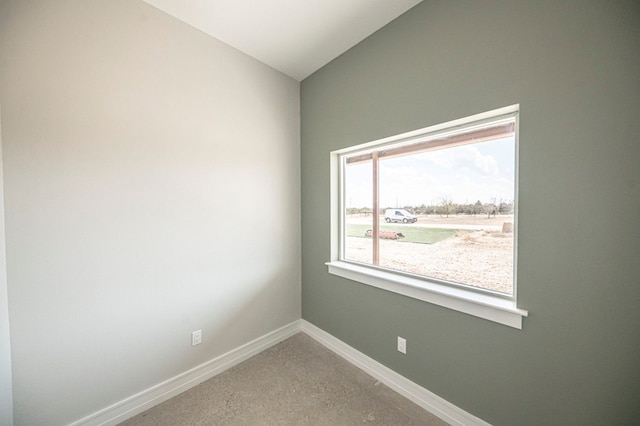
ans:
(480, 305)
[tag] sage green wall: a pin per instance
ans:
(574, 68)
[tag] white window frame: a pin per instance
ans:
(499, 308)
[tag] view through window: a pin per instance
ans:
(441, 207)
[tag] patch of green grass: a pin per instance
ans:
(412, 234)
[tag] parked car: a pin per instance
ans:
(399, 215)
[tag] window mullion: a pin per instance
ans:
(376, 211)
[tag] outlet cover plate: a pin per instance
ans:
(196, 337)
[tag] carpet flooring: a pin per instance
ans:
(296, 382)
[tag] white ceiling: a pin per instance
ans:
(296, 37)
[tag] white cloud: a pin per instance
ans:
(406, 185)
(466, 156)
(465, 173)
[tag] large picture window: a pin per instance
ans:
(437, 207)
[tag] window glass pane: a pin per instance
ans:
(358, 213)
(449, 213)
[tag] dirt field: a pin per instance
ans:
(481, 258)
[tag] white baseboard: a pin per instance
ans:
(405, 387)
(157, 394)
(136, 404)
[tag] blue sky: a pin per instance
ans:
(467, 173)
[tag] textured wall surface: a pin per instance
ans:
(574, 67)
(6, 388)
(151, 189)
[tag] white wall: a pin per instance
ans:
(6, 396)
(151, 189)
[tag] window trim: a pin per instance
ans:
(498, 308)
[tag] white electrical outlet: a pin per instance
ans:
(196, 337)
(402, 345)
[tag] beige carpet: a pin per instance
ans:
(297, 382)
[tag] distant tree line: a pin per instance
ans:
(447, 207)
(364, 211)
